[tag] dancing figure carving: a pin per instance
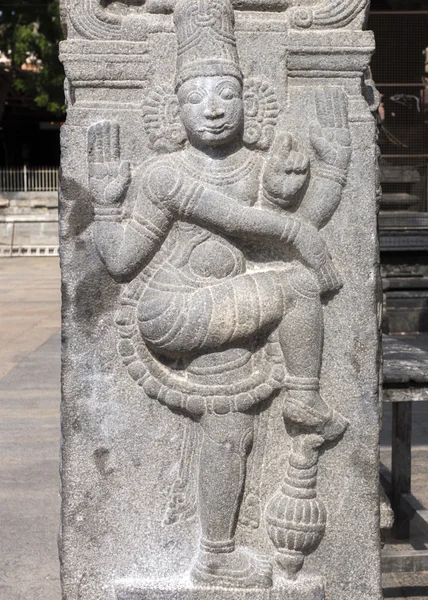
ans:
(218, 242)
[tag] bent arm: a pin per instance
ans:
(321, 200)
(126, 249)
(212, 209)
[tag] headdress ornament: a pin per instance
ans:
(206, 40)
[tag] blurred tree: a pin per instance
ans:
(29, 34)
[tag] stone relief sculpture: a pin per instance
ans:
(220, 408)
(217, 241)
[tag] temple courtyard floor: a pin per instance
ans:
(30, 431)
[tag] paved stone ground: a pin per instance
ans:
(29, 428)
(29, 437)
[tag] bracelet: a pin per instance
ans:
(332, 173)
(291, 230)
(302, 383)
(107, 213)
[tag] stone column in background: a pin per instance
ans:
(220, 412)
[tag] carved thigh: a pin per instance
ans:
(211, 317)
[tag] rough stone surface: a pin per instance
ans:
(220, 413)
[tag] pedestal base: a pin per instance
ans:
(133, 589)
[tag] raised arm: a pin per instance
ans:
(331, 141)
(124, 249)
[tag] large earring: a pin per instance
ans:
(261, 110)
(161, 116)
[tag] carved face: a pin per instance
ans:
(211, 109)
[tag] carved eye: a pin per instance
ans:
(228, 93)
(195, 98)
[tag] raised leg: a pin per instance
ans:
(301, 335)
(301, 331)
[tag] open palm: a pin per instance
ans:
(109, 177)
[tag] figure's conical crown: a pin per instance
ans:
(206, 39)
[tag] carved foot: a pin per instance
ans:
(238, 569)
(306, 408)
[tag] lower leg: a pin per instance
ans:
(301, 335)
(226, 443)
(222, 473)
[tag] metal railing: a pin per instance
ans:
(27, 249)
(29, 179)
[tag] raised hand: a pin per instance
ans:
(331, 138)
(109, 178)
(286, 172)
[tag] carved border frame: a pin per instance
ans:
(92, 21)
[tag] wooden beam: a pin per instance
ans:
(414, 393)
(408, 503)
(412, 561)
(401, 465)
(385, 479)
(415, 511)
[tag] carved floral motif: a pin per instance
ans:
(329, 14)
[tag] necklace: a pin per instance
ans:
(220, 172)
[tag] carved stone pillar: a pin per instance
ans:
(220, 411)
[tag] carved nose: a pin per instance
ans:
(213, 112)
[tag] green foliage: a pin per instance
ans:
(31, 29)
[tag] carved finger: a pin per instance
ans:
(340, 109)
(106, 141)
(115, 141)
(337, 282)
(331, 276)
(289, 166)
(94, 154)
(284, 145)
(294, 145)
(316, 136)
(343, 108)
(323, 102)
(302, 163)
(115, 190)
(324, 280)
(91, 144)
(99, 142)
(125, 173)
(335, 108)
(319, 142)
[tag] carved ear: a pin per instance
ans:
(162, 121)
(261, 109)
